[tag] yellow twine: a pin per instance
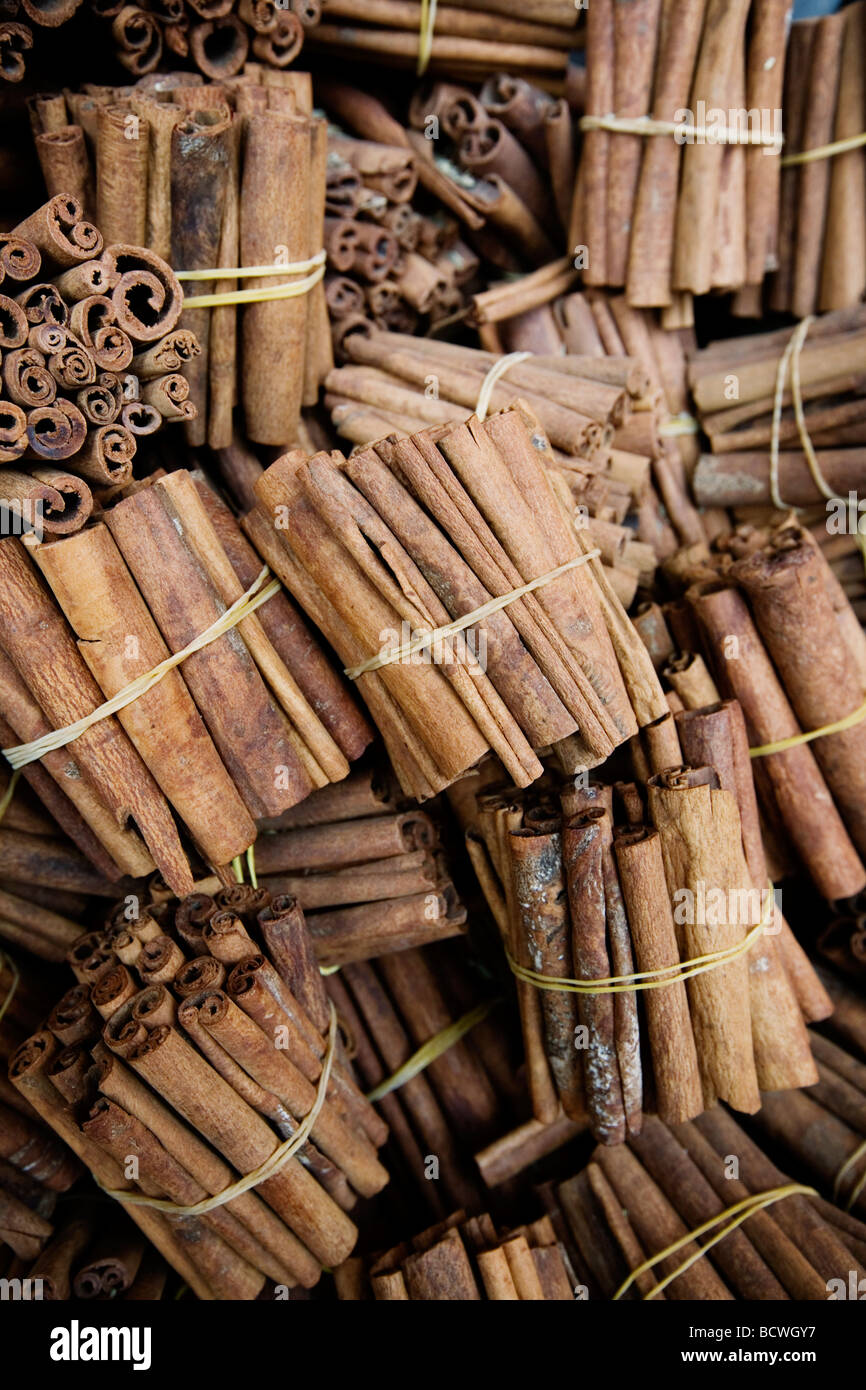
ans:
(425, 35)
(238, 869)
(850, 142)
(23, 753)
(16, 977)
(837, 727)
(263, 293)
(272, 1165)
(647, 979)
(679, 424)
(438, 634)
(792, 355)
(6, 799)
(740, 1210)
(850, 1162)
(648, 125)
(251, 865)
(498, 369)
(431, 1050)
(329, 969)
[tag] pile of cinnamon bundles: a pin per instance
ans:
(196, 1040)
(387, 263)
(404, 537)
(248, 726)
(465, 41)
(213, 176)
(633, 1202)
(92, 360)
(465, 1258)
(666, 216)
(220, 40)
(734, 384)
(822, 206)
(501, 160)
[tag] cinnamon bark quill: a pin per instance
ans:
(699, 828)
(45, 655)
(275, 220)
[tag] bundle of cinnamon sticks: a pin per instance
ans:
(822, 207)
(464, 1258)
(669, 215)
(633, 1202)
(220, 39)
(582, 891)
(465, 41)
(197, 1040)
(249, 725)
(768, 615)
(91, 362)
(214, 176)
(735, 384)
(561, 665)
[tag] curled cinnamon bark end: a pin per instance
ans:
(147, 297)
(60, 233)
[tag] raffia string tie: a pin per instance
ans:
(20, 754)
(496, 371)
(851, 142)
(649, 979)
(425, 35)
(13, 983)
(432, 1049)
(850, 1163)
(272, 1165)
(262, 293)
(648, 125)
(837, 727)
(440, 634)
(740, 1211)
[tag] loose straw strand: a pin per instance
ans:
(499, 368)
(272, 1165)
(16, 977)
(438, 634)
(6, 799)
(432, 1049)
(850, 1162)
(740, 1210)
(425, 35)
(649, 979)
(23, 753)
